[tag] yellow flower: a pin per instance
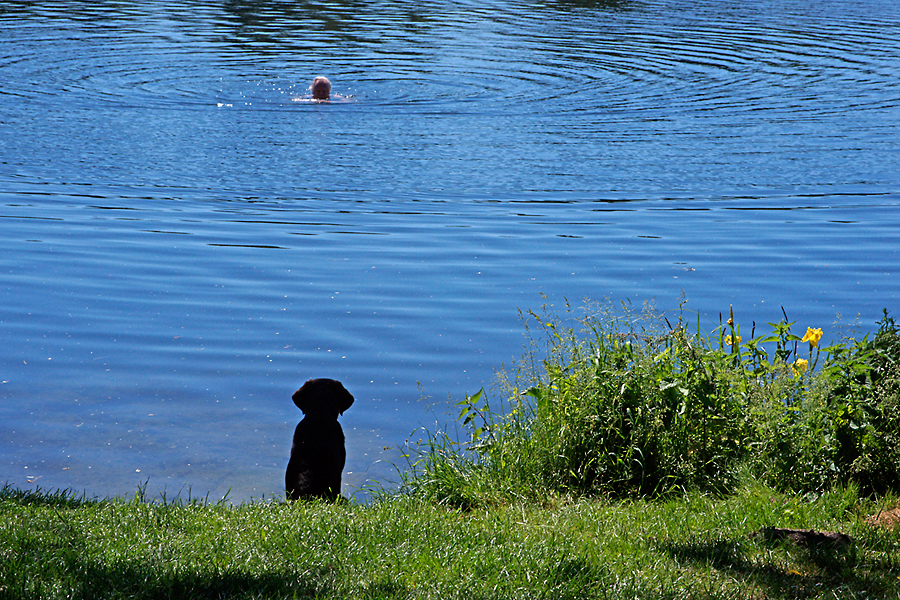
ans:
(812, 336)
(799, 366)
(728, 340)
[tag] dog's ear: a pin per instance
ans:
(345, 401)
(302, 396)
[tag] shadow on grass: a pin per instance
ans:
(574, 579)
(780, 569)
(154, 581)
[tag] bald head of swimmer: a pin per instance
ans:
(321, 88)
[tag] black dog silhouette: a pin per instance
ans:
(318, 453)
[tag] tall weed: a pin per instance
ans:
(622, 404)
(843, 425)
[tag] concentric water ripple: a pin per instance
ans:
(504, 56)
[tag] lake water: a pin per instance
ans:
(184, 239)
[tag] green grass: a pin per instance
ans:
(627, 459)
(689, 546)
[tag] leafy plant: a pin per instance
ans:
(626, 405)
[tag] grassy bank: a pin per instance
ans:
(629, 456)
(690, 546)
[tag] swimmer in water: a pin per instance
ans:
(321, 88)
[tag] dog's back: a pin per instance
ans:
(318, 454)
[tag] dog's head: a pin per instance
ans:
(323, 396)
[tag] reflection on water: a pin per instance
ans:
(183, 244)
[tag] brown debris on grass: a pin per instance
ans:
(809, 538)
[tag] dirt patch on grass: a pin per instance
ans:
(888, 518)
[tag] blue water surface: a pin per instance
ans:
(184, 239)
